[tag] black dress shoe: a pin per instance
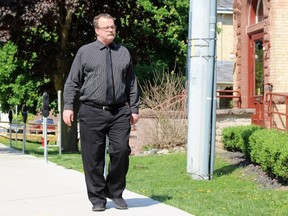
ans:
(100, 206)
(120, 203)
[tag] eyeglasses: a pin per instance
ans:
(107, 28)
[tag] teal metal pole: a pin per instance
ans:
(212, 70)
(201, 88)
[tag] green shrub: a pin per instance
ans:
(237, 138)
(246, 133)
(269, 148)
(230, 139)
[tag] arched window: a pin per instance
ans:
(256, 12)
(259, 12)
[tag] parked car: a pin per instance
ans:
(37, 126)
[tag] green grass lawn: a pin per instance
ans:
(164, 178)
(230, 192)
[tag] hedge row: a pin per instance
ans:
(268, 148)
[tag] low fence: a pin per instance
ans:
(34, 132)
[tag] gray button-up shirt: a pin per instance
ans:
(88, 75)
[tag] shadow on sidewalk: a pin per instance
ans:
(135, 202)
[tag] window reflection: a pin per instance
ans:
(259, 80)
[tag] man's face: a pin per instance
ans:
(106, 30)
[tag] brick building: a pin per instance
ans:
(261, 59)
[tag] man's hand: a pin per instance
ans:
(68, 117)
(134, 119)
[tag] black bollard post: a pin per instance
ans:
(10, 116)
(24, 116)
(45, 113)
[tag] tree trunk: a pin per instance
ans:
(69, 138)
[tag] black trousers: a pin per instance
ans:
(95, 124)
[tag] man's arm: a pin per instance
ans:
(132, 91)
(71, 89)
(133, 95)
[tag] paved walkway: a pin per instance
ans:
(31, 187)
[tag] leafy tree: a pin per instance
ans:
(16, 88)
(48, 33)
(156, 33)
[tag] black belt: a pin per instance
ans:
(107, 107)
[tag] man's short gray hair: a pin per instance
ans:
(96, 18)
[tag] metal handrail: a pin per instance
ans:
(181, 99)
(271, 112)
(239, 102)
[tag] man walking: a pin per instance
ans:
(102, 75)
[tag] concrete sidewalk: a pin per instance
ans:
(31, 187)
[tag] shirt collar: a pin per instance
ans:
(102, 46)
